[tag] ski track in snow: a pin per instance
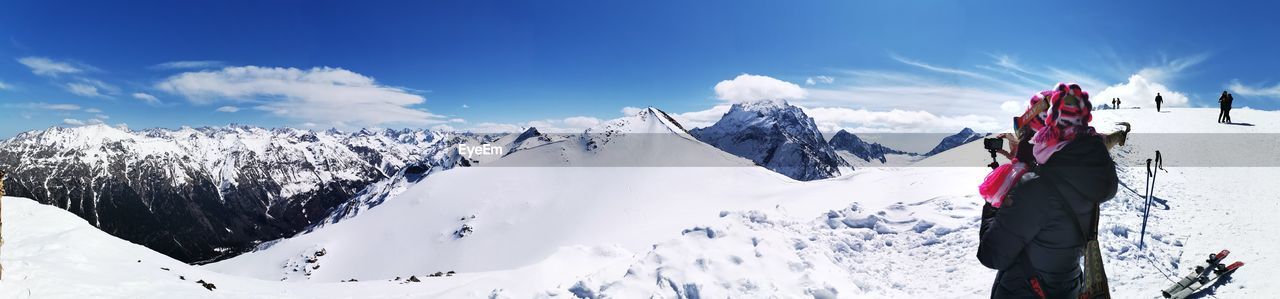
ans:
(875, 233)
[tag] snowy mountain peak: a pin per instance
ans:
(863, 150)
(776, 135)
(648, 120)
(965, 136)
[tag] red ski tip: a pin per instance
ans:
(1222, 254)
(1234, 266)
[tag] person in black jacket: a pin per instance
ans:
(1031, 239)
(1224, 104)
(1159, 101)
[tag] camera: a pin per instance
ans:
(993, 144)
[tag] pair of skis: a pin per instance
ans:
(1200, 277)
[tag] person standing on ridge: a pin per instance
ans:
(1035, 224)
(1231, 99)
(1117, 103)
(1223, 104)
(1159, 100)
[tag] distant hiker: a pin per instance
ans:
(1159, 101)
(1042, 207)
(1228, 106)
(1117, 103)
(1224, 116)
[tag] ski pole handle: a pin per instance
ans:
(1148, 167)
(1159, 161)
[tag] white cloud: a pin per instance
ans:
(73, 122)
(325, 95)
(102, 116)
(582, 121)
(62, 107)
(47, 67)
(4, 86)
(46, 106)
(228, 109)
(1267, 92)
(701, 119)
(1140, 91)
(819, 79)
(82, 89)
(457, 120)
(747, 88)
(465, 106)
(92, 88)
(832, 119)
(629, 111)
(93, 110)
(188, 64)
(1013, 107)
(147, 98)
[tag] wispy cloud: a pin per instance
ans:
(43, 66)
(4, 86)
(228, 109)
(1169, 69)
(44, 106)
(91, 88)
(324, 95)
(188, 64)
(1272, 92)
(147, 98)
(959, 72)
(815, 80)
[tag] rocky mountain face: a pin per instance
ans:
(202, 194)
(775, 135)
(965, 136)
(867, 151)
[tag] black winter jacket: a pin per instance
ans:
(1032, 222)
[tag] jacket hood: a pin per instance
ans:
(1085, 172)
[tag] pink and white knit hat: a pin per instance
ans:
(1068, 115)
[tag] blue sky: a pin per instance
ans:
(486, 65)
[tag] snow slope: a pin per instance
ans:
(623, 232)
(877, 232)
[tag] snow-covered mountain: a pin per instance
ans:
(199, 194)
(964, 136)
(467, 219)
(776, 135)
(671, 232)
(845, 142)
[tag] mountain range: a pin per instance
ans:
(205, 194)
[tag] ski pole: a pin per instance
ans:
(1146, 211)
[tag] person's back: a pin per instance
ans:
(1034, 222)
(1159, 101)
